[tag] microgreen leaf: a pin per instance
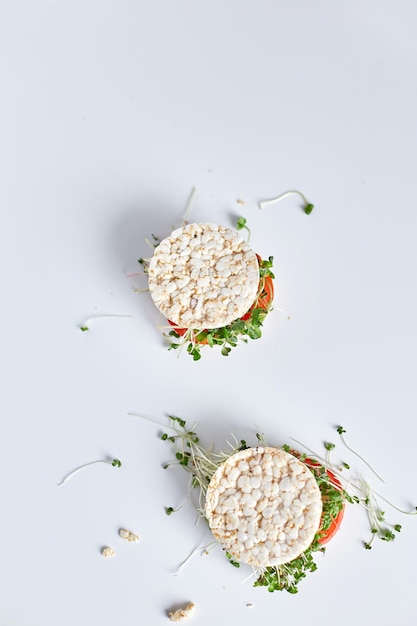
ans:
(232, 560)
(242, 223)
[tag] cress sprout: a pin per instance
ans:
(113, 463)
(307, 206)
(242, 223)
(86, 325)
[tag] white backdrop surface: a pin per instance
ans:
(110, 112)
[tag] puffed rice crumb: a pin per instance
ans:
(180, 614)
(128, 535)
(107, 552)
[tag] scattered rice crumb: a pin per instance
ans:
(129, 536)
(180, 614)
(106, 552)
(240, 201)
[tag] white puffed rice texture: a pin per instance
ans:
(264, 506)
(203, 276)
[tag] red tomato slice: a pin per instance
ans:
(263, 301)
(330, 532)
(179, 331)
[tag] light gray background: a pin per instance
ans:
(111, 111)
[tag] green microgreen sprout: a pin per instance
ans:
(144, 263)
(154, 243)
(328, 447)
(232, 561)
(261, 438)
(308, 207)
(341, 431)
(113, 463)
(242, 224)
(87, 323)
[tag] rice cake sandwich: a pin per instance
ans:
(273, 508)
(211, 286)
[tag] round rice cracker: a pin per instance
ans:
(263, 506)
(203, 276)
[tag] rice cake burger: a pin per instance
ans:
(211, 286)
(274, 508)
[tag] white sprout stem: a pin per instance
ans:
(329, 463)
(317, 456)
(78, 469)
(192, 553)
(134, 274)
(189, 206)
(361, 458)
(236, 442)
(168, 327)
(348, 486)
(188, 336)
(394, 506)
(265, 203)
(150, 419)
(277, 308)
(102, 317)
(150, 244)
(254, 573)
(367, 495)
(185, 498)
